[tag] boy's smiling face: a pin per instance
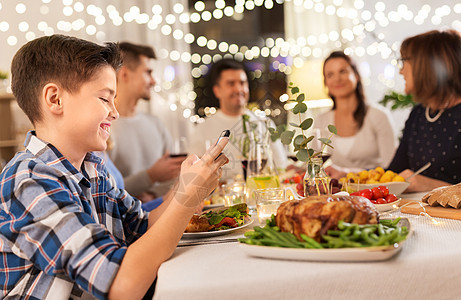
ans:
(88, 113)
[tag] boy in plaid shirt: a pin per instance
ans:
(65, 231)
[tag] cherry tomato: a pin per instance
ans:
(377, 193)
(391, 198)
(381, 201)
(297, 178)
(355, 194)
(367, 193)
(384, 189)
(228, 221)
(373, 201)
(286, 181)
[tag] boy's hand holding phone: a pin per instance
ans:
(200, 176)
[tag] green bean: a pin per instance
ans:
(385, 222)
(276, 237)
(251, 234)
(386, 232)
(366, 235)
(381, 229)
(356, 234)
(334, 232)
(396, 221)
(310, 241)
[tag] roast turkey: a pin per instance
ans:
(446, 196)
(315, 215)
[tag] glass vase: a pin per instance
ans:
(316, 181)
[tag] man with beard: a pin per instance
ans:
(140, 141)
(229, 82)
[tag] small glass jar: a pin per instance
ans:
(316, 181)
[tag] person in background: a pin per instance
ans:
(229, 82)
(66, 231)
(140, 141)
(366, 136)
(431, 67)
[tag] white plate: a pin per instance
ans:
(190, 235)
(388, 206)
(339, 254)
(396, 187)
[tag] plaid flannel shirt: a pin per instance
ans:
(63, 233)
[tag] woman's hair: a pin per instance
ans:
(65, 60)
(435, 58)
(360, 112)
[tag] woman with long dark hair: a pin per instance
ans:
(366, 137)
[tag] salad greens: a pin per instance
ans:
(237, 212)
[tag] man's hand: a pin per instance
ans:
(165, 168)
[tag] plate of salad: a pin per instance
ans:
(218, 221)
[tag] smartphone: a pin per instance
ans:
(225, 133)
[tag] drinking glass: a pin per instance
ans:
(267, 202)
(179, 147)
(234, 193)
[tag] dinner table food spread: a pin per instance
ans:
(428, 265)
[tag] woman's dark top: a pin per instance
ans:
(438, 142)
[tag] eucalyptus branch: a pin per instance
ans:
(301, 142)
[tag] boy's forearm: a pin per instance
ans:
(155, 214)
(143, 258)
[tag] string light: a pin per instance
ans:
(364, 22)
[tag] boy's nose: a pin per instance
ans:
(113, 113)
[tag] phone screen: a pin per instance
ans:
(225, 133)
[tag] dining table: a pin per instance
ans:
(428, 266)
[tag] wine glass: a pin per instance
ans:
(179, 147)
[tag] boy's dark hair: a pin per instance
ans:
(131, 54)
(221, 66)
(67, 61)
(360, 112)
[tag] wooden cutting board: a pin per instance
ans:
(414, 208)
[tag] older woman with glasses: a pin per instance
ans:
(431, 67)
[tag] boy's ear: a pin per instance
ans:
(51, 95)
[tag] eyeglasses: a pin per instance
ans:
(400, 61)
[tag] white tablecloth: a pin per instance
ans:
(428, 267)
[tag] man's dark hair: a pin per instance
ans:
(131, 54)
(64, 60)
(223, 65)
